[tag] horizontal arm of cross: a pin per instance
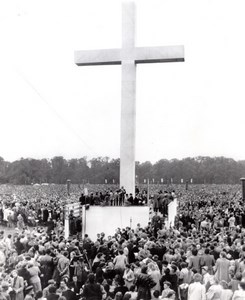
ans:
(137, 54)
(159, 54)
(98, 57)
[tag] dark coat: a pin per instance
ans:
(144, 284)
(70, 295)
(92, 291)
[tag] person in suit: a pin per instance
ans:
(17, 285)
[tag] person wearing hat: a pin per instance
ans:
(29, 293)
(17, 285)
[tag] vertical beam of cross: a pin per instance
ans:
(128, 99)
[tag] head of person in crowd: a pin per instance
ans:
(127, 296)
(39, 295)
(91, 278)
(156, 294)
(167, 285)
(29, 290)
(118, 296)
(222, 254)
(197, 277)
(204, 270)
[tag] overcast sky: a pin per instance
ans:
(50, 107)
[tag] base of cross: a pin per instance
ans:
(107, 219)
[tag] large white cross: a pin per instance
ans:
(128, 56)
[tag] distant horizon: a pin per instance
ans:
(113, 158)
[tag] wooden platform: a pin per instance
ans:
(107, 219)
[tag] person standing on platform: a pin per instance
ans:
(121, 195)
(116, 198)
(111, 198)
(155, 203)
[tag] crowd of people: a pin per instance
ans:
(200, 257)
(34, 205)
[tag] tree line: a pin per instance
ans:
(202, 169)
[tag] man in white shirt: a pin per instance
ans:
(197, 290)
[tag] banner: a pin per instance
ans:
(172, 212)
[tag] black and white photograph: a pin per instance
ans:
(122, 153)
